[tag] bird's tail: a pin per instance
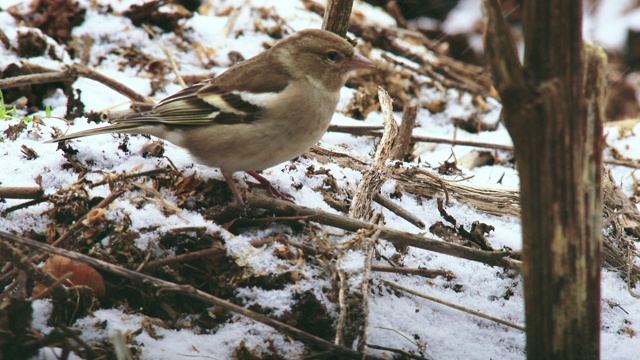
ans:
(128, 128)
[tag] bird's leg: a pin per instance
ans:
(234, 188)
(265, 184)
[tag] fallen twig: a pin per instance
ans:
(214, 251)
(70, 75)
(353, 322)
(403, 147)
(412, 271)
(397, 351)
(398, 210)
(375, 131)
(21, 192)
(400, 238)
(454, 306)
(423, 183)
(79, 223)
(186, 290)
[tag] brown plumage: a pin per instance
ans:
(257, 114)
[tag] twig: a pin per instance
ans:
(5, 40)
(375, 176)
(172, 61)
(454, 306)
(281, 238)
(30, 192)
(174, 66)
(445, 75)
(70, 75)
(84, 71)
(462, 143)
(400, 238)
(185, 257)
(13, 255)
(399, 210)
(404, 144)
(423, 183)
(412, 271)
(397, 351)
(34, 79)
(336, 16)
(126, 176)
(232, 19)
(159, 199)
(354, 300)
(375, 131)
(79, 223)
(120, 346)
(186, 290)
(627, 163)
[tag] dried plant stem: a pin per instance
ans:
(404, 145)
(454, 306)
(15, 256)
(24, 205)
(336, 16)
(398, 210)
(400, 238)
(423, 183)
(376, 131)
(31, 192)
(79, 223)
(186, 290)
(215, 251)
(411, 271)
(353, 321)
(397, 351)
(70, 75)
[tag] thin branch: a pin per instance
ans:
(79, 223)
(375, 131)
(215, 251)
(21, 192)
(186, 290)
(35, 79)
(70, 75)
(454, 306)
(412, 271)
(423, 183)
(397, 351)
(400, 238)
(15, 256)
(399, 210)
(84, 71)
(336, 17)
(404, 145)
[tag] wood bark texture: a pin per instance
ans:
(336, 16)
(553, 109)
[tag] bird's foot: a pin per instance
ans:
(266, 185)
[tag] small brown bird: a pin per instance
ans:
(257, 114)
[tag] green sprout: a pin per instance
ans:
(10, 114)
(4, 113)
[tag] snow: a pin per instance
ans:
(397, 320)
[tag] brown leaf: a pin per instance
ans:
(82, 275)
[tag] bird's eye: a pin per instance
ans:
(332, 56)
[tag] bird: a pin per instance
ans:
(258, 113)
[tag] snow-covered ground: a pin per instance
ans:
(405, 322)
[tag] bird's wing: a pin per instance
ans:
(236, 96)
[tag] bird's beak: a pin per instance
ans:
(359, 62)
